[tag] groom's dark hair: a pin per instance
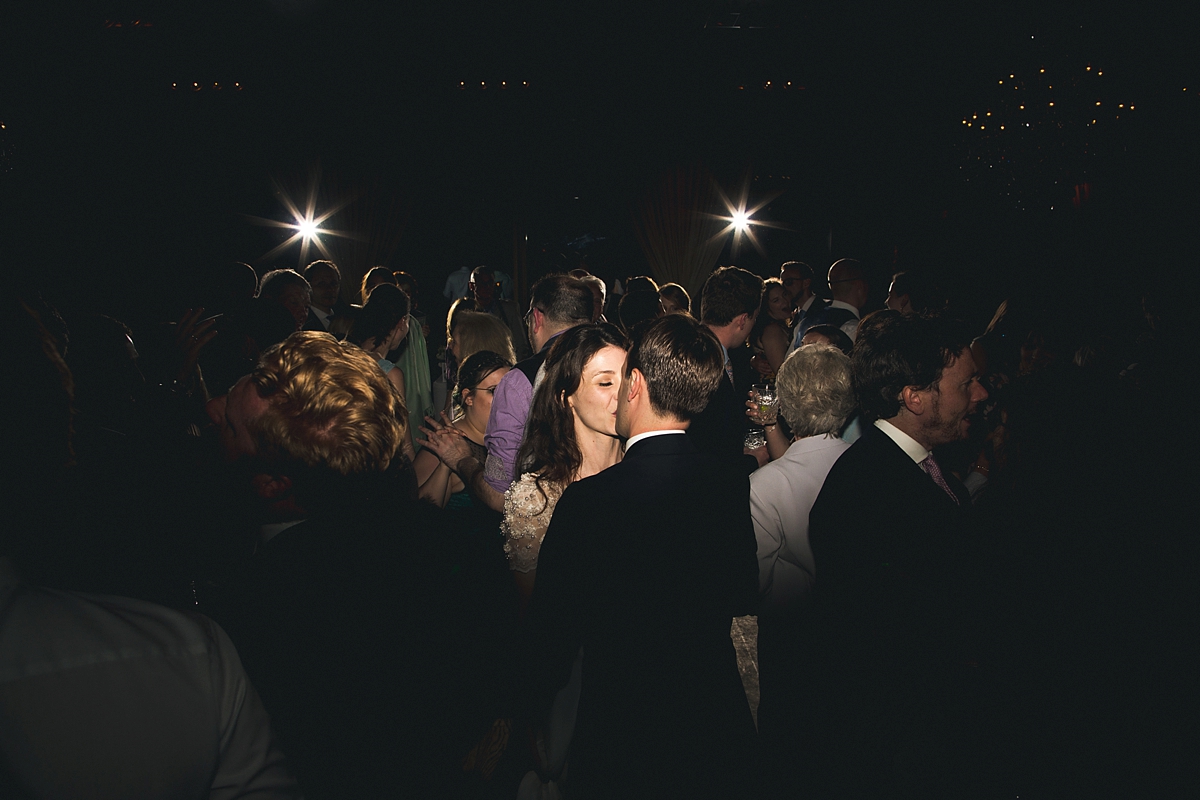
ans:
(683, 363)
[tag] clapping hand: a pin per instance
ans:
(445, 441)
(191, 335)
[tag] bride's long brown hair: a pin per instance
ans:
(550, 450)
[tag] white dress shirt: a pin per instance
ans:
(912, 448)
(782, 494)
(850, 328)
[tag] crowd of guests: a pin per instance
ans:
(259, 556)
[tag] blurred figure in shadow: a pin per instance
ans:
(486, 290)
(136, 437)
(326, 304)
(107, 696)
(349, 575)
(289, 289)
(1088, 520)
(639, 307)
(228, 297)
(675, 299)
(912, 293)
(379, 329)
(827, 334)
(728, 307)
(769, 338)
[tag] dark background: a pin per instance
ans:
(119, 190)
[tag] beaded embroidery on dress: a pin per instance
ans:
(526, 517)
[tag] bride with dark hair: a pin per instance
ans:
(571, 434)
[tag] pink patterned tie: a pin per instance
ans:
(935, 472)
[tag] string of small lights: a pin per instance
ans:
(197, 86)
(484, 85)
(1040, 141)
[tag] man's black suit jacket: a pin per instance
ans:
(313, 323)
(896, 662)
(645, 565)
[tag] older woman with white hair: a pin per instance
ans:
(816, 396)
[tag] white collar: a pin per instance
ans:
(635, 439)
(847, 306)
(911, 447)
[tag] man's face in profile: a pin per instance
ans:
(232, 414)
(954, 399)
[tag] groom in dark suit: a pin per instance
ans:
(644, 565)
(895, 665)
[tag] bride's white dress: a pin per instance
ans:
(527, 513)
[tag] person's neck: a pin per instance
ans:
(377, 349)
(322, 309)
(649, 423)
(728, 335)
(909, 424)
(599, 450)
(549, 331)
(471, 430)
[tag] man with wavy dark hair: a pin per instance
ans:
(658, 583)
(894, 681)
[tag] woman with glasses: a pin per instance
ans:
(477, 380)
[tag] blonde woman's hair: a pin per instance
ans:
(816, 390)
(330, 405)
(476, 331)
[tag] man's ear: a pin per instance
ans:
(271, 487)
(741, 321)
(914, 399)
(637, 384)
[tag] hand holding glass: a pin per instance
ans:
(768, 403)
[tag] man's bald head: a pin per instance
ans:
(848, 282)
